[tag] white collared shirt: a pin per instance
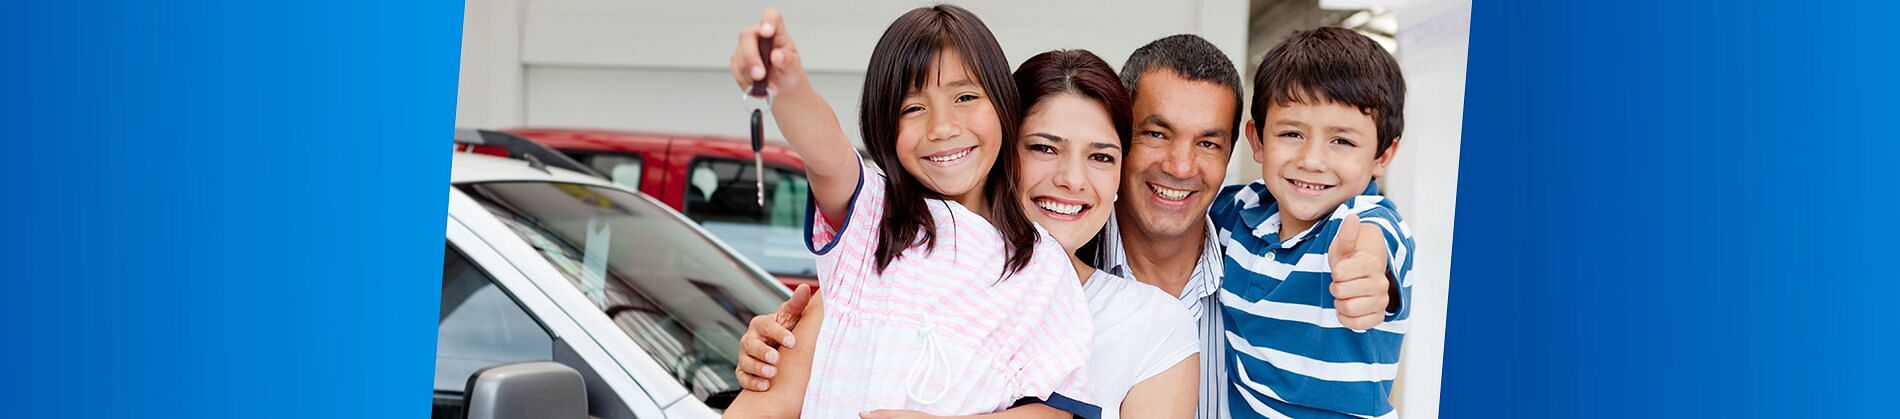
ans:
(1200, 298)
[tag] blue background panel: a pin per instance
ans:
(223, 209)
(1675, 209)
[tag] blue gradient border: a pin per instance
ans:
(224, 209)
(1675, 209)
(233, 209)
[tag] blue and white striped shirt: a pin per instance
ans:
(1287, 354)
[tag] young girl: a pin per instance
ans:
(936, 292)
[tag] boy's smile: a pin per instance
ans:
(1314, 157)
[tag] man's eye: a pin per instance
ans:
(1152, 134)
(1210, 145)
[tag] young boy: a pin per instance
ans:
(1326, 118)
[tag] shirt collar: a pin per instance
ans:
(1207, 271)
(1259, 209)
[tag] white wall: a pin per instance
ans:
(661, 66)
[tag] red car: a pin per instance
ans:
(711, 180)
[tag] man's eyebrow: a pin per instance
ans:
(1156, 120)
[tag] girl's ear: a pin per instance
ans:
(1378, 168)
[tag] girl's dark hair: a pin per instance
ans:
(1080, 73)
(903, 62)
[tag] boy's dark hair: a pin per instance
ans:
(1189, 56)
(1338, 65)
(902, 63)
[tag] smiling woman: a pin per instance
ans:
(1144, 361)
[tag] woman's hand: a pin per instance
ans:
(786, 73)
(758, 348)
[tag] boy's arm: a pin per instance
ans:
(1362, 289)
(786, 398)
(806, 120)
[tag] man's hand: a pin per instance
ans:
(1361, 290)
(758, 348)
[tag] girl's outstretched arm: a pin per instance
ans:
(809, 124)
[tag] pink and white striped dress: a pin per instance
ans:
(944, 331)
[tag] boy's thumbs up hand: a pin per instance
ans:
(1360, 288)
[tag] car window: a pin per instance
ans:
(678, 296)
(622, 169)
(722, 195)
(480, 326)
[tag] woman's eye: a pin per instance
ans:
(1101, 157)
(1042, 148)
(966, 97)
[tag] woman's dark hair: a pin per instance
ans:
(1080, 73)
(902, 63)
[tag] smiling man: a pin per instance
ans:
(1186, 116)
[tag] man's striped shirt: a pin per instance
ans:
(1287, 354)
(1199, 297)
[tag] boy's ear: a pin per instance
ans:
(1378, 167)
(1253, 141)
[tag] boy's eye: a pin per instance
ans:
(1344, 142)
(1042, 148)
(1289, 134)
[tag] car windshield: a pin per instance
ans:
(676, 294)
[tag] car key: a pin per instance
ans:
(758, 100)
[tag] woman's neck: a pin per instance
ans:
(1082, 270)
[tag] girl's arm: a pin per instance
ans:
(809, 124)
(786, 398)
(1170, 394)
(1032, 411)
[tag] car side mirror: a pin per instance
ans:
(526, 390)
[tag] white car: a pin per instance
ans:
(544, 264)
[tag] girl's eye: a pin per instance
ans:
(910, 109)
(966, 97)
(1102, 157)
(1042, 148)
